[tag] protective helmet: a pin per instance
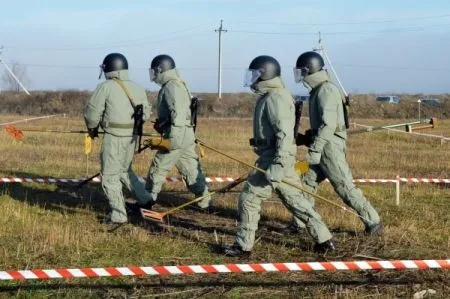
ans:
(114, 62)
(160, 64)
(308, 63)
(262, 68)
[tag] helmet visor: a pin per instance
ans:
(251, 76)
(300, 74)
(152, 73)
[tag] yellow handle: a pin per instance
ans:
(301, 167)
(201, 151)
(87, 144)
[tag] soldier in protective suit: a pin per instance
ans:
(274, 143)
(113, 106)
(327, 141)
(174, 122)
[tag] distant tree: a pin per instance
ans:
(20, 71)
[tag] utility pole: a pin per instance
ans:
(419, 101)
(11, 72)
(219, 79)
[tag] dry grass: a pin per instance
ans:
(231, 105)
(56, 226)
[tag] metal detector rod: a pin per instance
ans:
(88, 180)
(14, 76)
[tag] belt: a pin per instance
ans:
(339, 128)
(263, 142)
(259, 142)
(113, 125)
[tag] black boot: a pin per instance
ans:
(324, 247)
(236, 251)
(291, 229)
(136, 207)
(374, 230)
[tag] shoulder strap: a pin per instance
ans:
(127, 92)
(316, 89)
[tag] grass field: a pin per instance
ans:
(48, 226)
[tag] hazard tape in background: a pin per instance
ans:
(216, 180)
(31, 119)
(227, 268)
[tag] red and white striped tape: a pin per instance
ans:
(215, 180)
(228, 268)
(423, 180)
(98, 180)
(30, 119)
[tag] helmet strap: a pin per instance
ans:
(101, 72)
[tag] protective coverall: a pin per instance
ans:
(329, 138)
(110, 108)
(273, 131)
(173, 108)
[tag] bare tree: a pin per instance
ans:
(20, 71)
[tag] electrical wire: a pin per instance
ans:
(392, 30)
(350, 22)
(129, 43)
(406, 68)
(236, 68)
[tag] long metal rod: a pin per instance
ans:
(14, 76)
(221, 190)
(292, 184)
(327, 58)
(370, 129)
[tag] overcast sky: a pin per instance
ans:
(378, 46)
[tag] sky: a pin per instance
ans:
(381, 46)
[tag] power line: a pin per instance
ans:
(237, 68)
(126, 43)
(392, 30)
(350, 23)
(406, 68)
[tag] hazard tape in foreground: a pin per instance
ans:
(98, 180)
(229, 268)
(177, 179)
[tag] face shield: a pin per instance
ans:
(153, 74)
(300, 74)
(251, 76)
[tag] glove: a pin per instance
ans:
(313, 157)
(274, 173)
(93, 132)
(160, 144)
(159, 125)
(304, 139)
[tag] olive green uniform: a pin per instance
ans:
(173, 108)
(330, 142)
(110, 108)
(273, 131)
